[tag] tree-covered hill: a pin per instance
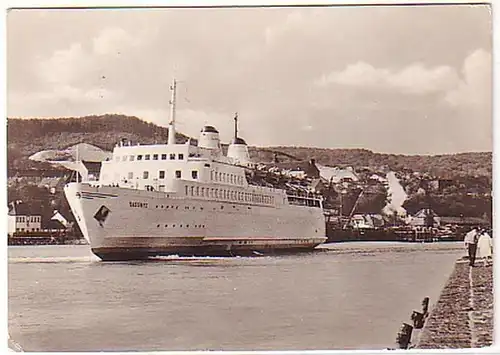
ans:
(31, 135)
(445, 166)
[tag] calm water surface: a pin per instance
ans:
(350, 296)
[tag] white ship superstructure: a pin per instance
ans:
(189, 200)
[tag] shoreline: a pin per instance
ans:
(463, 315)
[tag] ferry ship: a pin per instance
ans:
(182, 199)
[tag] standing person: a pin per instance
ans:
(484, 247)
(470, 242)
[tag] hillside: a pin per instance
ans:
(445, 166)
(28, 136)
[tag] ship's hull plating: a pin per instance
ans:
(127, 224)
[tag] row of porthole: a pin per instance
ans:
(172, 207)
(222, 207)
(180, 226)
(187, 207)
(176, 207)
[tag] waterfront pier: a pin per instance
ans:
(463, 315)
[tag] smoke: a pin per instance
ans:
(396, 196)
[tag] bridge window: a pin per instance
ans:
(161, 174)
(202, 191)
(145, 174)
(139, 157)
(130, 175)
(181, 156)
(146, 157)
(155, 156)
(192, 191)
(164, 157)
(124, 158)
(197, 191)
(172, 156)
(194, 174)
(178, 174)
(131, 158)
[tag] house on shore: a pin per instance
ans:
(426, 217)
(23, 217)
(29, 218)
(53, 184)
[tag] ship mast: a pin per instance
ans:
(235, 126)
(171, 125)
(77, 161)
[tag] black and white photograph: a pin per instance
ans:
(249, 178)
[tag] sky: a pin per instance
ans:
(392, 79)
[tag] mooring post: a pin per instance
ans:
(404, 336)
(418, 319)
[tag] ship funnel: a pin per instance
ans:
(209, 138)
